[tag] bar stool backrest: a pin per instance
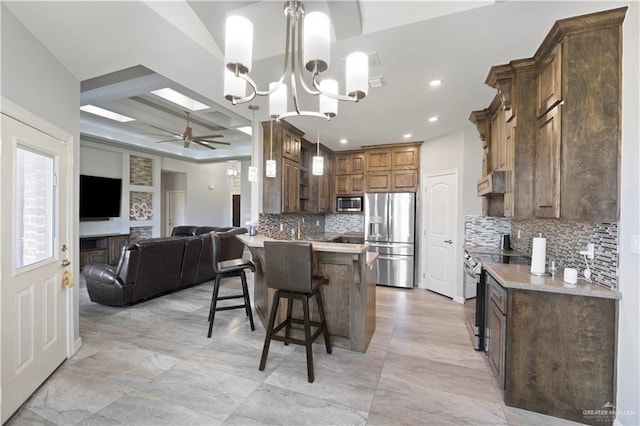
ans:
(288, 265)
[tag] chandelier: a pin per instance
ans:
(306, 47)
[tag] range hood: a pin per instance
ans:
(493, 183)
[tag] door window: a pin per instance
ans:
(35, 206)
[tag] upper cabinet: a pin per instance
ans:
(348, 172)
(281, 194)
(392, 168)
(553, 129)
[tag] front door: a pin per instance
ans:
(440, 228)
(33, 258)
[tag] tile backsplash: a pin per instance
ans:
(310, 224)
(339, 223)
(564, 241)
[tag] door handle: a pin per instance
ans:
(65, 263)
(449, 242)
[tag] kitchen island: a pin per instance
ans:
(349, 299)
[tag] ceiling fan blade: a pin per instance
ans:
(164, 130)
(169, 140)
(157, 134)
(208, 137)
(218, 142)
(204, 144)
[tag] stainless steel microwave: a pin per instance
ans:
(349, 204)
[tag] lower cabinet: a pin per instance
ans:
(552, 353)
(102, 248)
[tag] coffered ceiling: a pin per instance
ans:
(121, 51)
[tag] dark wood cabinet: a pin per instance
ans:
(349, 184)
(547, 178)
(377, 160)
(102, 248)
(554, 125)
(552, 353)
(550, 80)
(281, 194)
(348, 172)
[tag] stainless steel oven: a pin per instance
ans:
(475, 306)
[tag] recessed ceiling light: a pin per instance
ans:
(407, 135)
(343, 141)
(106, 113)
(433, 119)
(435, 83)
(180, 99)
(245, 129)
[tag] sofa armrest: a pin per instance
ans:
(101, 273)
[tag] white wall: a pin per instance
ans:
(454, 152)
(34, 80)
(628, 398)
(208, 191)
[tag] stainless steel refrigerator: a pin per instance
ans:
(389, 220)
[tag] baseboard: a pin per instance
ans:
(459, 300)
(76, 345)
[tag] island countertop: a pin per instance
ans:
(258, 241)
(349, 299)
(518, 277)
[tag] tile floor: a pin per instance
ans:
(151, 364)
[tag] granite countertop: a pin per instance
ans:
(470, 248)
(258, 241)
(324, 237)
(518, 277)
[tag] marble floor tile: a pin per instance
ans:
(152, 364)
(200, 388)
(142, 409)
(273, 405)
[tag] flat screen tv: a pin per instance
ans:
(99, 197)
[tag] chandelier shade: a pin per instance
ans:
(307, 48)
(238, 43)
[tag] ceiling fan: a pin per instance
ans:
(188, 137)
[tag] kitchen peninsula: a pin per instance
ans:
(349, 299)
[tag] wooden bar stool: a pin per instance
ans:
(224, 269)
(288, 269)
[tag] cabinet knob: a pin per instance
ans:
(449, 242)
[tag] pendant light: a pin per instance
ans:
(252, 172)
(317, 167)
(270, 167)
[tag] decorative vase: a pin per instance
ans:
(253, 230)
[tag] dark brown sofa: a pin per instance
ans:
(156, 266)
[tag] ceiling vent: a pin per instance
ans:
(376, 82)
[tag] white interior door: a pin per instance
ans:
(440, 232)
(33, 259)
(176, 210)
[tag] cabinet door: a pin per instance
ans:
(378, 160)
(342, 165)
(405, 158)
(497, 342)
(404, 181)
(378, 182)
(547, 182)
(324, 194)
(291, 146)
(357, 163)
(357, 184)
(550, 81)
(342, 184)
(498, 146)
(290, 187)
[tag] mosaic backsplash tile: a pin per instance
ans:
(485, 230)
(310, 224)
(339, 223)
(140, 170)
(564, 241)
